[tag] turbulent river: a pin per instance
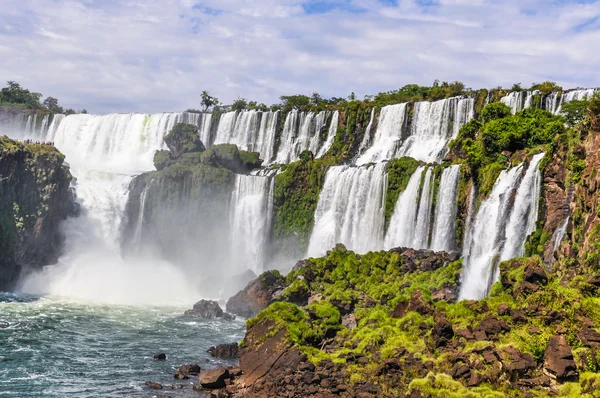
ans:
(55, 347)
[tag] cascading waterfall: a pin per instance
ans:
(431, 130)
(335, 119)
(104, 153)
(512, 205)
(423, 225)
(411, 223)
(249, 130)
(350, 210)
(519, 100)
(387, 136)
(251, 214)
(559, 234)
(302, 131)
(366, 141)
(401, 230)
(201, 120)
(434, 124)
(444, 226)
(525, 211)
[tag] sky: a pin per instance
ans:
(159, 55)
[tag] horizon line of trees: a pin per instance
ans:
(409, 93)
(16, 95)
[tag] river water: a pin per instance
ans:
(57, 347)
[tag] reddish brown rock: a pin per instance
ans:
(214, 379)
(257, 296)
(558, 360)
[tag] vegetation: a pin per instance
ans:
(13, 95)
(399, 173)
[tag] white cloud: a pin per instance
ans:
(156, 55)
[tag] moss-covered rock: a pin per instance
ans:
(183, 138)
(34, 198)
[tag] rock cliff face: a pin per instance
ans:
(34, 198)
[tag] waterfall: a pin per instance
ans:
(104, 153)
(401, 230)
(302, 131)
(423, 225)
(525, 211)
(251, 214)
(444, 226)
(139, 225)
(203, 121)
(519, 100)
(350, 210)
(366, 141)
(431, 130)
(387, 136)
(574, 95)
(559, 234)
(433, 125)
(500, 227)
(333, 126)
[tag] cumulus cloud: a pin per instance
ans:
(158, 55)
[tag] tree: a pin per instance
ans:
(239, 104)
(574, 111)
(51, 104)
(316, 99)
(546, 87)
(15, 94)
(208, 101)
(294, 102)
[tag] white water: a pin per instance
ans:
(500, 229)
(366, 141)
(560, 233)
(388, 135)
(249, 130)
(525, 211)
(444, 226)
(302, 131)
(251, 214)
(434, 124)
(350, 210)
(401, 230)
(422, 228)
(519, 100)
(104, 153)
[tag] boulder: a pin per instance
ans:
(515, 361)
(224, 350)
(154, 386)
(161, 357)
(191, 369)
(183, 138)
(257, 295)
(445, 294)
(213, 379)
(442, 332)
(535, 274)
(208, 309)
(558, 360)
(589, 338)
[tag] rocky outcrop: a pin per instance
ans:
(208, 309)
(558, 360)
(257, 295)
(224, 350)
(34, 198)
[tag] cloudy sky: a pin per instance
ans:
(158, 55)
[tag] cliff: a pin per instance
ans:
(34, 198)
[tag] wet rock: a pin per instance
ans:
(442, 332)
(475, 379)
(214, 379)
(190, 369)
(224, 350)
(161, 357)
(208, 309)
(460, 370)
(558, 360)
(257, 295)
(154, 386)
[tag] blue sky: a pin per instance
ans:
(152, 56)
